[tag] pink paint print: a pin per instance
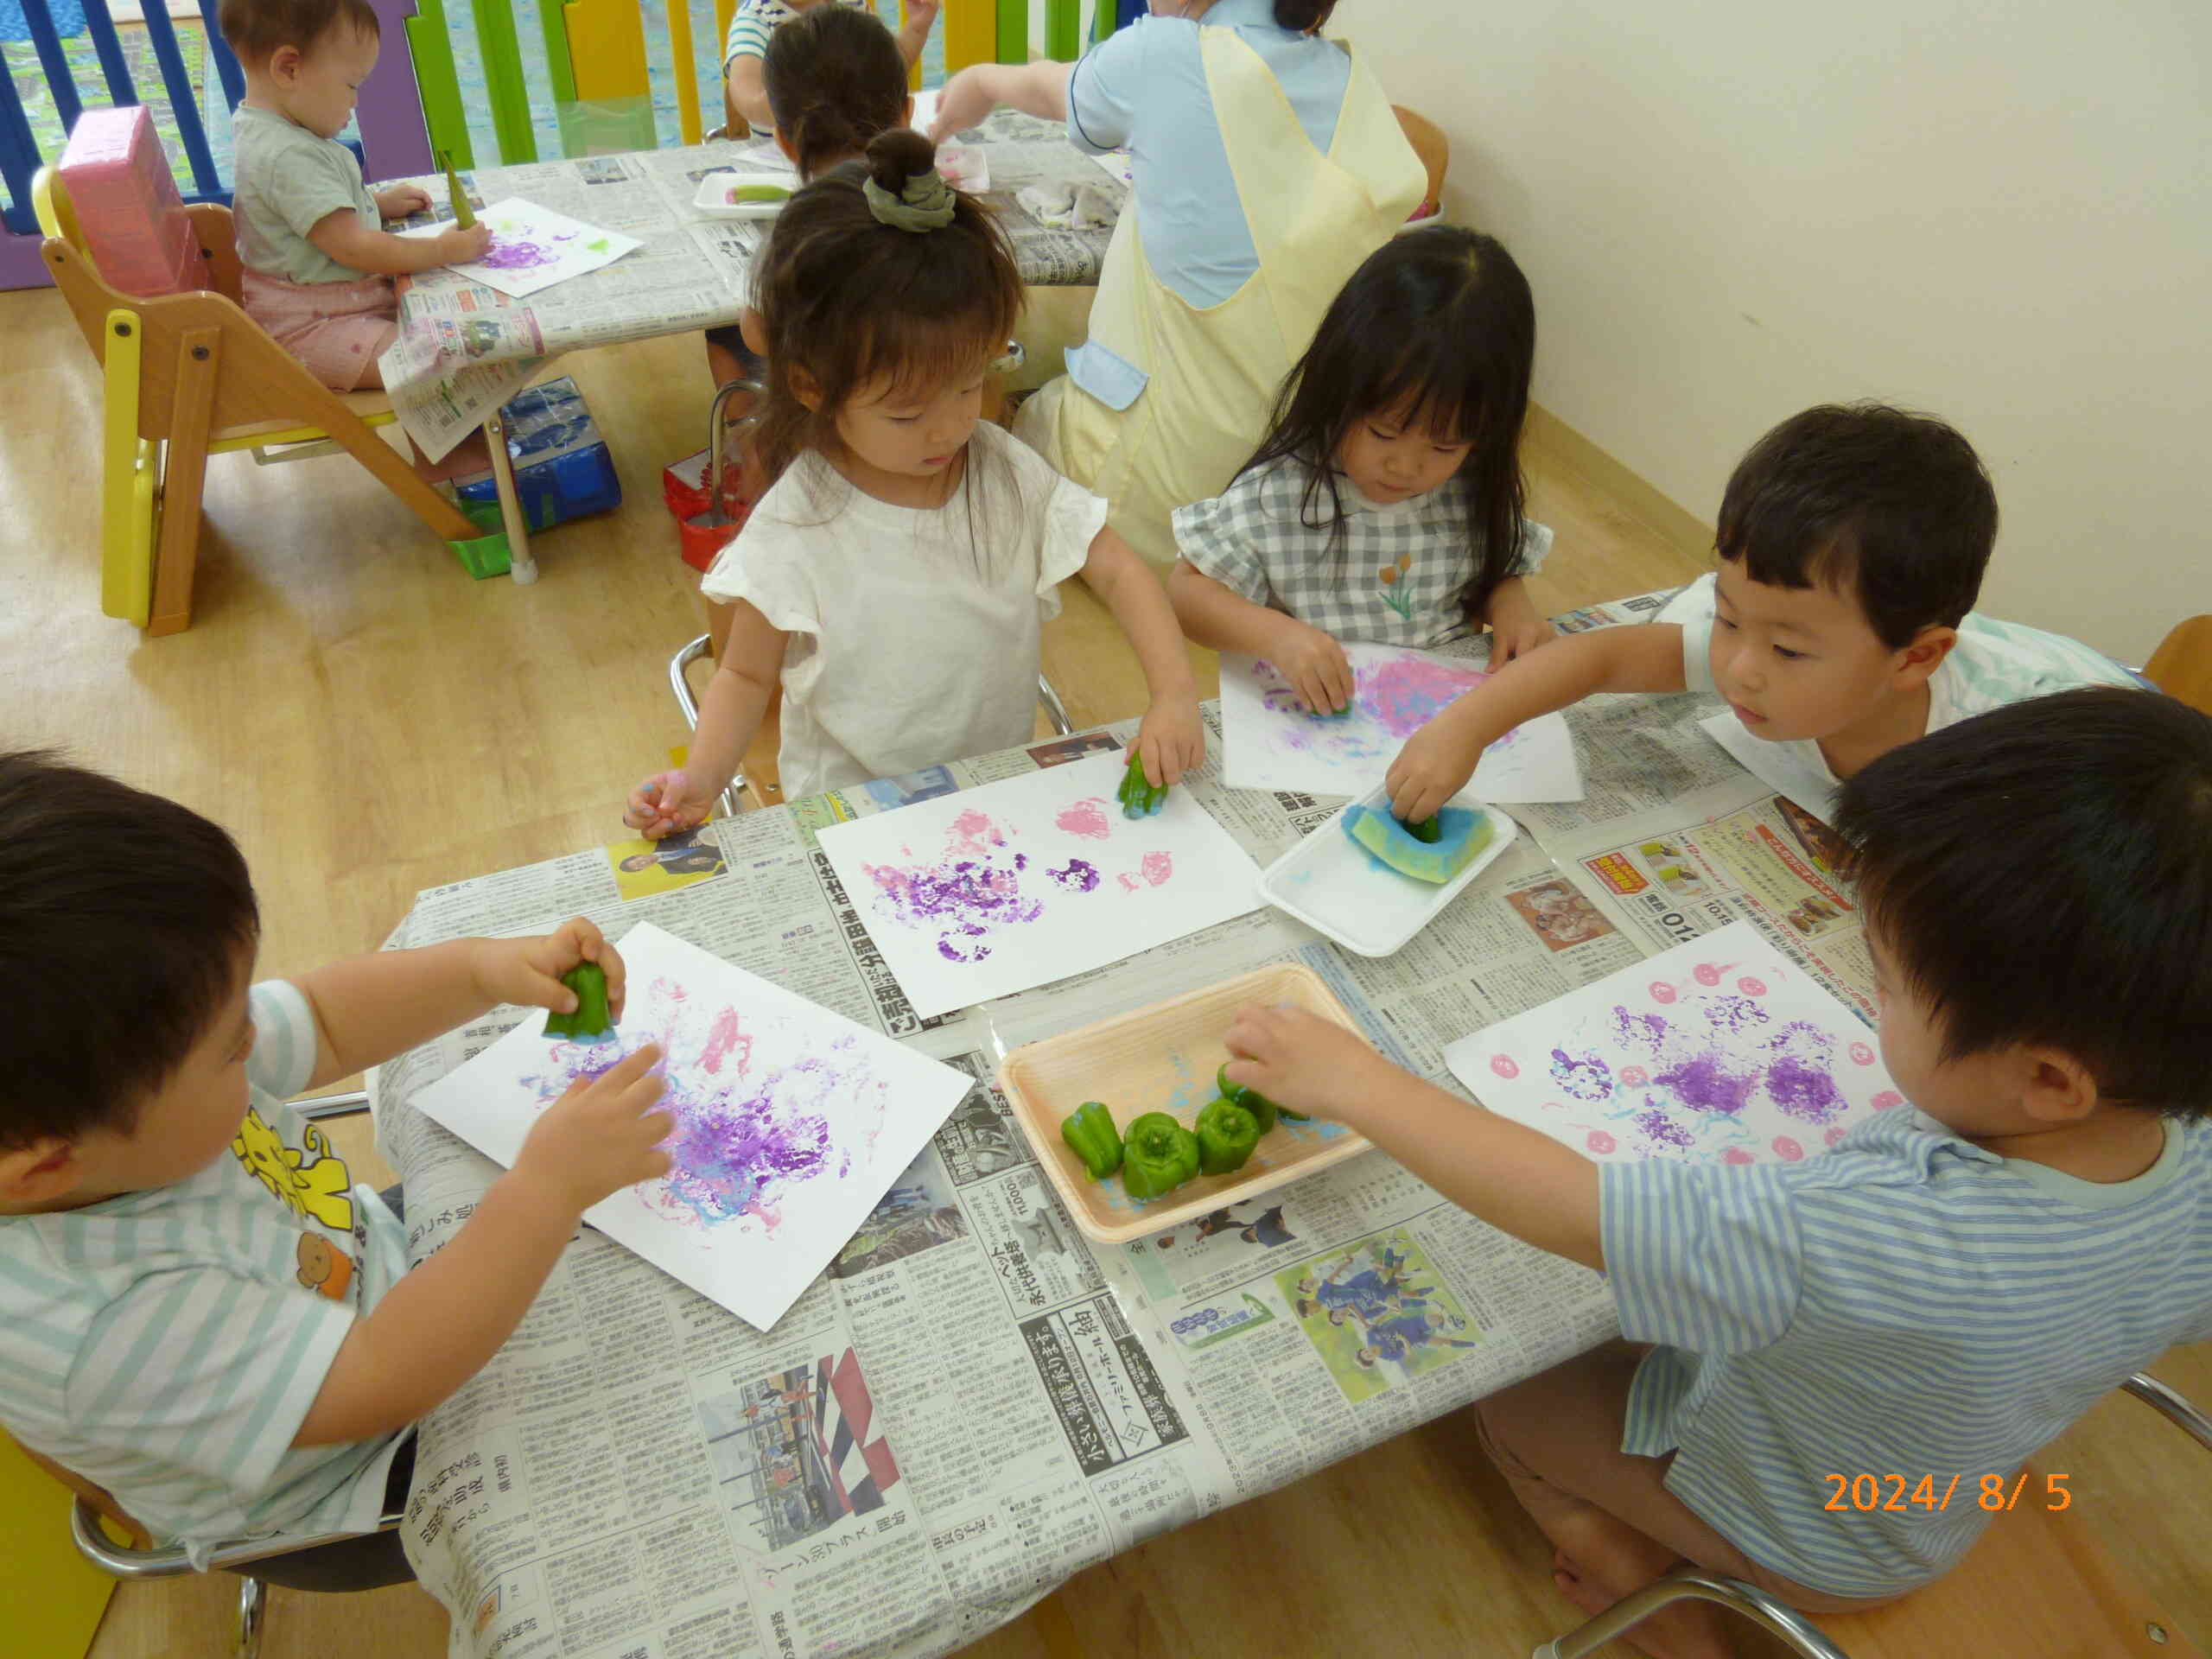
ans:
(1088, 819)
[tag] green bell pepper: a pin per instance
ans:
(1157, 1155)
(1090, 1132)
(1254, 1101)
(1227, 1133)
(591, 1022)
(1138, 798)
(1429, 830)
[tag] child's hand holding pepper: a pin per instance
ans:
(1171, 740)
(528, 971)
(1301, 1061)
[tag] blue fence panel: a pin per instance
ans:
(120, 91)
(47, 44)
(184, 103)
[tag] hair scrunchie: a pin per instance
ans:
(925, 204)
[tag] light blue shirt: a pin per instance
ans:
(1908, 1304)
(1144, 90)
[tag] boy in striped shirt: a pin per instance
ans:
(1947, 1290)
(200, 1311)
(1840, 623)
(745, 48)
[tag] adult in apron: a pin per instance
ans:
(1175, 396)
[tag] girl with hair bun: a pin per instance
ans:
(894, 577)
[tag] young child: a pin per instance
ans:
(200, 1311)
(1385, 504)
(1852, 543)
(834, 78)
(896, 572)
(753, 28)
(1947, 1290)
(317, 263)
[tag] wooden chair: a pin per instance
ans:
(2182, 665)
(187, 376)
(1435, 152)
(2035, 1583)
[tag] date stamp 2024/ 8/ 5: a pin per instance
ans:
(1896, 1492)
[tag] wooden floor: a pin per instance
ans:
(368, 721)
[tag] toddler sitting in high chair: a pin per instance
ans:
(317, 263)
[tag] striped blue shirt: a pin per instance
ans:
(166, 1344)
(1908, 1304)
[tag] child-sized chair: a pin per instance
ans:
(187, 376)
(2035, 1584)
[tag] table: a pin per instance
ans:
(465, 349)
(974, 1403)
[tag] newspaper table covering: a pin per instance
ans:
(464, 349)
(973, 1403)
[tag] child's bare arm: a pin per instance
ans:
(369, 1008)
(1039, 89)
(1172, 740)
(343, 237)
(748, 91)
(438, 1326)
(914, 35)
(1213, 614)
(1510, 1175)
(731, 712)
(1438, 760)
(1516, 626)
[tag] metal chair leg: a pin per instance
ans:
(702, 647)
(1690, 1585)
(253, 1602)
(2163, 1399)
(1055, 710)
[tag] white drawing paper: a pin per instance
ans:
(1021, 882)
(533, 247)
(792, 1120)
(1719, 1051)
(1270, 741)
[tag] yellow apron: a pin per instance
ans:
(1209, 376)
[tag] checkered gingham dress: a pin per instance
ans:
(1392, 580)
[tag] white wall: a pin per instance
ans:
(1730, 209)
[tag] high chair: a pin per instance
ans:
(2182, 665)
(187, 376)
(2035, 1584)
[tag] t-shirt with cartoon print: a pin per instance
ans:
(166, 1344)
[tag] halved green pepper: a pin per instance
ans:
(1138, 798)
(1157, 1155)
(591, 1022)
(1090, 1132)
(1429, 830)
(1227, 1133)
(1254, 1101)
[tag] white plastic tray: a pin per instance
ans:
(1337, 886)
(712, 197)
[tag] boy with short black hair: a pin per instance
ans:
(1948, 1289)
(1852, 542)
(200, 1311)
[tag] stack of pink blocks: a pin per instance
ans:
(140, 237)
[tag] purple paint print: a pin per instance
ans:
(517, 256)
(1643, 1031)
(1734, 1015)
(1585, 1077)
(1705, 1083)
(1078, 877)
(1802, 1090)
(969, 895)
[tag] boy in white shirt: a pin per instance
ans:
(200, 1311)
(747, 44)
(1852, 542)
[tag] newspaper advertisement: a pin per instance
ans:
(974, 1403)
(464, 349)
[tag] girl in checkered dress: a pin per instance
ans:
(1385, 503)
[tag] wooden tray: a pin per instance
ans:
(1162, 1058)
